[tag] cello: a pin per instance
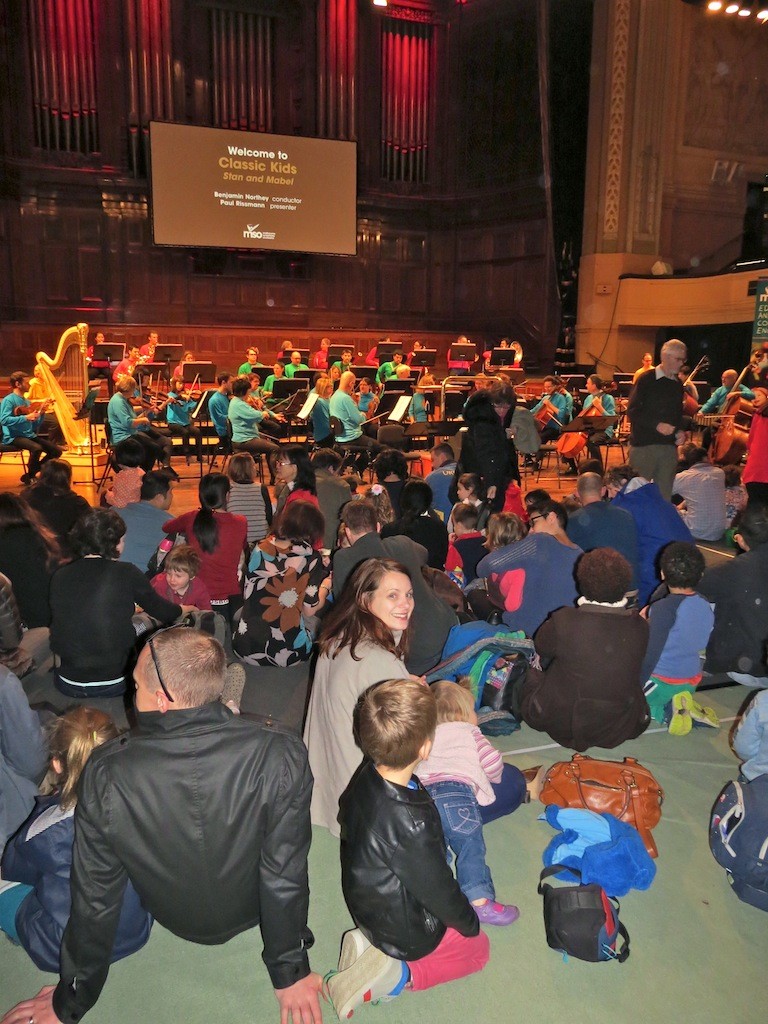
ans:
(729, 444)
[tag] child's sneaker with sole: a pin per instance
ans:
(681, 722)
(353, 945)
(496, 913)
(372, 976)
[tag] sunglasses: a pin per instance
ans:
(150, 645)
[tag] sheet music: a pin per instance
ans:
(306, 410)
(401, 408)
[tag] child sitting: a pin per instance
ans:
(680, 624)
(179, 579)
(415, 927)
(35, 915)
(466, 545)
(126, 486)
(735, 494)
(470, 491)
(459, 775)
(750, 741)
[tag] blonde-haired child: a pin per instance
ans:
(36, 915)
(464, 773)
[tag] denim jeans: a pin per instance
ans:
(463, 830)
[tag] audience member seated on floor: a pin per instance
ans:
(739, 591)
(466, 777)
(470, 491)
(35, 910)
(466, 546)
(418, 522)
(698, 492)
(286, 586)
(219, 538)
(433, 619)
(735, 494)
(144, 519)
(391, 470)
(92, 602)
(247, 497)
(532, 577)
(680, 626)
(126, 484)
(179, 581)
(23, 755)
(414, 926)
(750, 740)
(333, 492)
(54, 500)
(12, 655)
(29, 555)
(656, 520)
(589, 692)
(364, 639)
(600, 524)
(378, 496)
(441, 478)
(137, 818)
(295, 478)
(504, 528)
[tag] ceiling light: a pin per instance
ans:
(380, 3)
(762, 14)
(731, 8)
(745, 10)
(715, 5)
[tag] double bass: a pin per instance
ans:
(690, 404)
(729, 443)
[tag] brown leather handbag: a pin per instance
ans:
(623, 788)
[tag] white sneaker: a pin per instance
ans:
(372, 976)
(353, 945)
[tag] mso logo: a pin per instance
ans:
(252, 231)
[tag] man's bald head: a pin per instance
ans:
(589, 487)
(347, 382)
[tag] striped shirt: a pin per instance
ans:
(460, 753)
(248, 500)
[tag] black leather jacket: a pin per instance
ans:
(208, 815)
(396, 880)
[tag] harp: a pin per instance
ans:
(65, 375)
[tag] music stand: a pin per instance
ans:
(169, 352)
(306, 374)
(369, 372)
(465, 353)
(190, 371)
(396, 386)
(424, 357)
(575, 382)
(386, 349)
(286, 387)
(401, 408)
(109, 352)
(501, 357)
(310, 401)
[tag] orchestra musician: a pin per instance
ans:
(717, 400)
(294, 365)
(245, 421)
(127, 366)
(320, 358)
(388, 370)
(755, 475)
(147, 351)
(551, 412)
(251, 362)
(181, 403)
(278, 371)
(417, 347)
(99, 368)
(321, 414)
(344, 407)
(20, 423)
(460, 367)
(189, 357)
(598, 403)
(218, 405)
(345, 362)
(646, 366)
(124, 422)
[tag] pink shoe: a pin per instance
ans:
(496, 913)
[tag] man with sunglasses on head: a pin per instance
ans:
(207, 813)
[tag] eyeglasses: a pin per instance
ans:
(532, 519)
(160, 679)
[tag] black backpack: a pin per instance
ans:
(738, 838)
(582, 920)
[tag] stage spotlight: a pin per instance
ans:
(715, 5)
(380, 3)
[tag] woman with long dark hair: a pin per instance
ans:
(29, 554)
(219, 538)
(92, 604)
(487, 447)
(364, 639)
(418, 522)
(297, 475)
(54, 500)
(286, 585)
